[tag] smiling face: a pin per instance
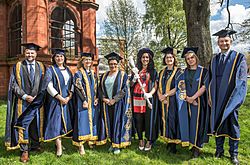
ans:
(113, 65)
(191, 59)
(87, 62)
(169, 59)
(145, 59)
(30, 55)
(224, 43)
(59, 59)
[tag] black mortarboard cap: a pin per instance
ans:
(113, 55)
(59, 51)
(145, 50)
(31, 46)
(85, 54)
(170, 50)
(224, 33)
(189, 49)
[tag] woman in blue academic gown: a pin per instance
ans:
(85, 104)
(115, 105)
(145, 117)
(196, 98)
(168, 110)
(57, 122)
(55, 95)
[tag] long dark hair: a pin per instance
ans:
(150, 67)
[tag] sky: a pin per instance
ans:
(239, 9)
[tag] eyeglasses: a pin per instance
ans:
(87, 59)
(110, 64)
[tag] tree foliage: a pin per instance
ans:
(245, 33)
(122, 27)
(165, 21)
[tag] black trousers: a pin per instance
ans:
(140, 123)
(33, 137)
(111, 110)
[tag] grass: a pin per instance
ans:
(157, 156)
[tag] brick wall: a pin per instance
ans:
(35, 25)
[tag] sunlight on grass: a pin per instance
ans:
(157, 156)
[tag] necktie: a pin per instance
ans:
(32, 74)
(222, 59)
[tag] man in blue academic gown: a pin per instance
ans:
(227, 91)
(25, 83)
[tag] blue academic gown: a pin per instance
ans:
(183, 115)
(85, 119)
(57, 121)
(152, 123)
(20, 84)
(57, 117)
(120, 134)
(170, 128)
(227, 91)
(198, 114)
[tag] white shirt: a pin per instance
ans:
(28, 68)
(225, 53)
(33, 65)
(52, 91)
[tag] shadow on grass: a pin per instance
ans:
(3, 102)
(159, 152)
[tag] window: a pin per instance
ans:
(15, 31)
(64, 31)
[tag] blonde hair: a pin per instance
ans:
(196, 57)
(80, 64)
(175, 59)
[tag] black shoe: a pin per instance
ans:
(168, 146)
(37, 149)
(196, 152)
(219, 154)
(173, 148)
(235, 160)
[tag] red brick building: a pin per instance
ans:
(49, 23)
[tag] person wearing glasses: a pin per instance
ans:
(196, 99)
(114, 99)
(168, 111)
(85, 104)
(145, 117)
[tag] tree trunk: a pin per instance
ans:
(198, 28)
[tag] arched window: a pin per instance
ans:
(63, 31)
(15, 31)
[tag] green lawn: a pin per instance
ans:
(158, 155)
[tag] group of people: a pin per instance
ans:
(182, 106)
